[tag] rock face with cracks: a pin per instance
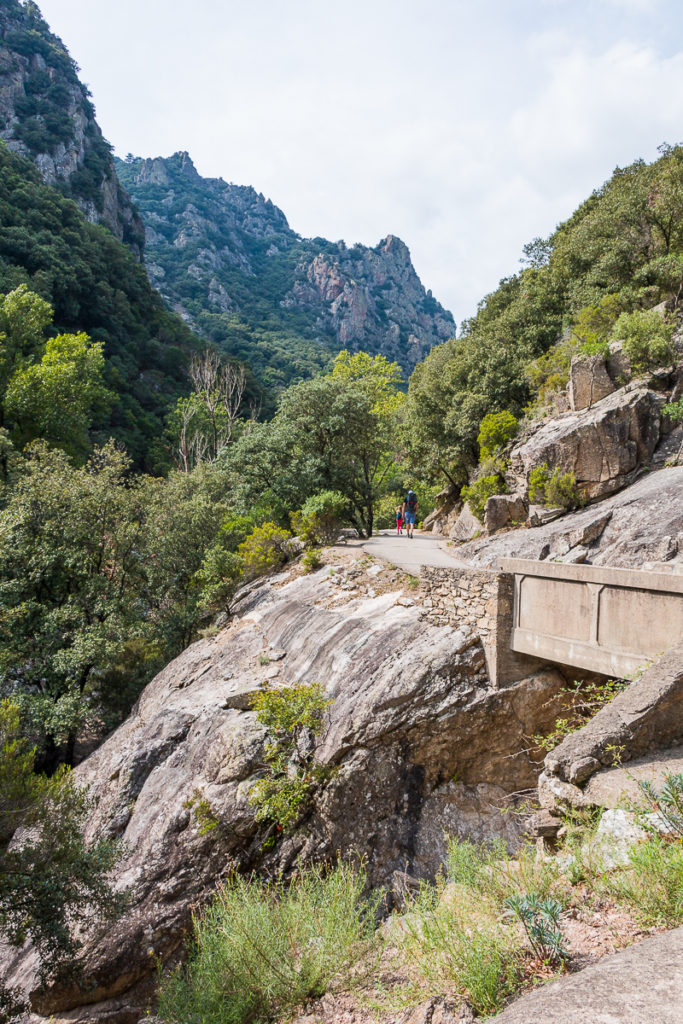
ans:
(421, 745)
(603, 445)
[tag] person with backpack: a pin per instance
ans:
(399, 520)
(410, 511)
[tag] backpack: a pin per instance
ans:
(411, 501)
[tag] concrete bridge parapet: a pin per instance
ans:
(612, 621)
(603, 620)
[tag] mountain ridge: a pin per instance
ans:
(46, 114)
(226, 259)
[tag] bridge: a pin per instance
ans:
(609, 621)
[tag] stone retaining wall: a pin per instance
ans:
(482, 599)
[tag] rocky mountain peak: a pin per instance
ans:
(46, 115)
(256, 274)
(393, 246)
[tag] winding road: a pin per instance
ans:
(409, 554)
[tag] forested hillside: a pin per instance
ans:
(145, 475)
(95, 285)
(46, 114)
(226, 259)
(591, 282)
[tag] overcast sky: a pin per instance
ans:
(466, 128)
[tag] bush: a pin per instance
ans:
(646, 339)
(312, 560)
(477, 494)
(262, 949)
(264, 549)
(674, 411)
(283, 795)
(319, 520)
(497, 428)
(555, 490)
(592, 326)
(653, 883)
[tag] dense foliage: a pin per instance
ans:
(620, 253)
(336, 432)
(51, 878)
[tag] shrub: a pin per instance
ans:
(319, 520)
(582, 701)
(674, 410)
(538, 481)
(312, 560)
(264, 549)
(477, 494)
(593, 324)
(283, 795)
(555, 490)
(457, 941)
(653, 883)
(261, 949)
(497, 428)
(646, 339)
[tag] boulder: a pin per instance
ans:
(589, 382)
(446, 512)
(603, 446)
(618, 364)
(503, 510)
(466, 525)
(420, 743)
(640, 524)
(639, 985)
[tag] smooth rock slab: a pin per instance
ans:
(639, 985)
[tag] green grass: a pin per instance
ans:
(652, 884)
(263, 949)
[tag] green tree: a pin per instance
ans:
(50, 389)
(184, 553)
(51, 879)
(56, 398)
(336, 432)
(70, 582)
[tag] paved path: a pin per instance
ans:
(410, 554)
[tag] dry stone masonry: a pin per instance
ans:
(481, 600)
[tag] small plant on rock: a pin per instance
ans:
(553, 489)
(293, 717)
(668, 803)
(497, 428)
(311, 560)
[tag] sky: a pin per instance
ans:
(465, 128)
